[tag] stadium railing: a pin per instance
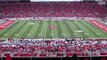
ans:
(56, 54)
(53, 18)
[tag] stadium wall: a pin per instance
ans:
(54, 18)
(63, 58)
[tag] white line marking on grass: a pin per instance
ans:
(40, 34)
(31, 23)
(86, 33)
(51, 34)
(28, 34)
(63, 34)
(75, 34)
(78, 31)
(16, 34)
(98, 33)
(5, 34)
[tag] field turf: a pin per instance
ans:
(52, 29)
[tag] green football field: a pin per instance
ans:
(52, 29)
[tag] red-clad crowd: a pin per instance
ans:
(54, 48)
(79, 9)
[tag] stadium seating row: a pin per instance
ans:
(54, 48)
(20, 10)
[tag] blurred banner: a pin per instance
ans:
(53, 0)
(9, 0)
(14, 0)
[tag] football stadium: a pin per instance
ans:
(53, 29)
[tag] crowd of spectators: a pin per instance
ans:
(2, 21)
(55, 47)
(79, 9)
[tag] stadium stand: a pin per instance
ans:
(20, 10)
(2, 21)
(31, 48)
(54, 48)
